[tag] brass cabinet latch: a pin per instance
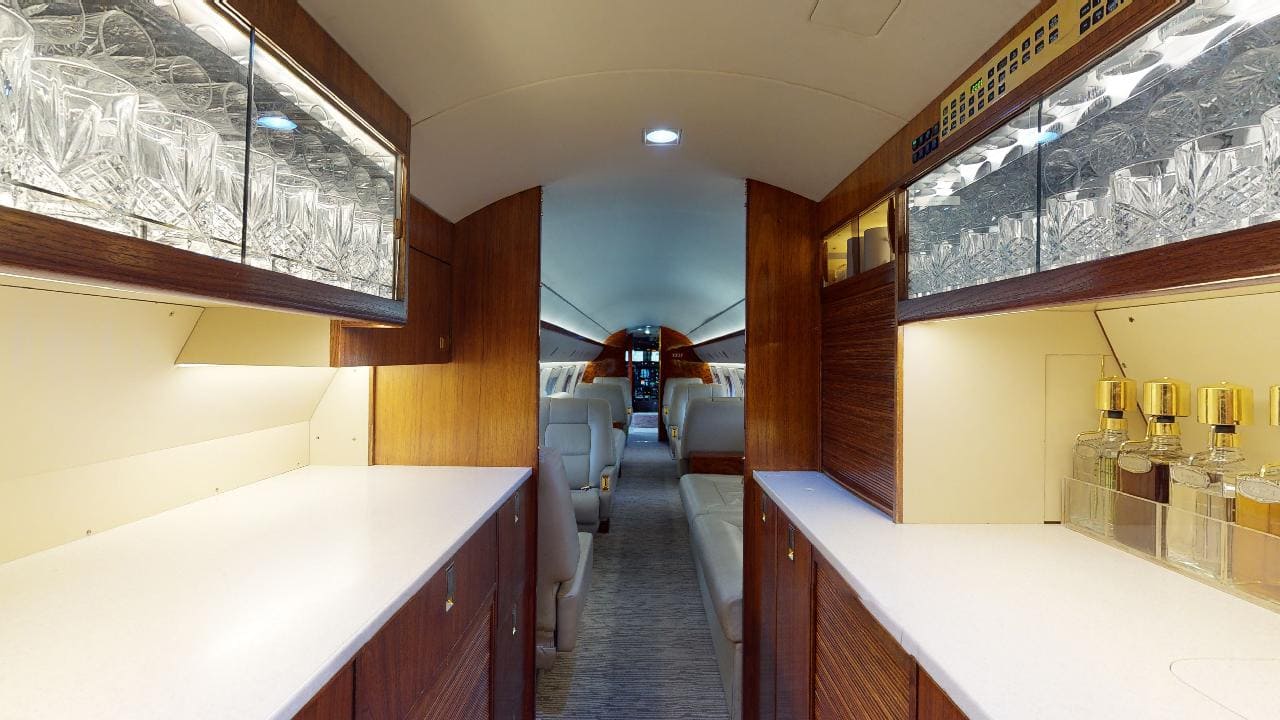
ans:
(791, 543)
(450, 587)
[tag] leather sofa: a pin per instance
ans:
(581, 429)
(711, 425)
(564, 563)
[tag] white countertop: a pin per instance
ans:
(239, 606)
(1037, 622)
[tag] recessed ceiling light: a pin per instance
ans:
(276, 122)
(662, 136)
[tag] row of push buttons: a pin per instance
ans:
(926, 143)
(997, 76)
(1093, 12)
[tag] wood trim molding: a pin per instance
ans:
(716, 463)
(292, 29)
(1240, 256)
(62, 250)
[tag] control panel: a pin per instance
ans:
(1059, 28)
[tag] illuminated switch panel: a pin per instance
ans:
(1067, 23)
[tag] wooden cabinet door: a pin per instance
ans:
(760, 588)
(334, 701)
(794, 630)
(860, 672)
(462, 690)
(427, 336)
(419, 644)
(514, 608)
(932, 702)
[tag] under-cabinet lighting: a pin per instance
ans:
(276, 122)
(662, 136)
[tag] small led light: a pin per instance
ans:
(662, 136)
(277, 122)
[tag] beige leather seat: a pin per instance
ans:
(564, 563)
(581, 429)
(611, 394)
(625, 384)
(680, 400)
(712, 495)
(669, 389)
(717, 549)
(711, 425)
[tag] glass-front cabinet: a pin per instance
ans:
(1175, 136)
(172, 122)
(857, 246)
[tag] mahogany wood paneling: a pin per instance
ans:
(462, 691)
(426, 335)
(890, 166)
(783, 329)
(429, 232)
(48, 247)
(335, 699)
(794, 630)
(932, 702)
(860, 672)
(514, 608)
(612, 361)
(674, 361)
(759, 592)
(1252, 253)
(297, 34)
(415, 648)
(716, 463)
(481, 408)
(859, 385)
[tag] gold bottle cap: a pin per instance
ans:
(1225, 404)
(1166, 397)
(1274, 418)
(1114, 394)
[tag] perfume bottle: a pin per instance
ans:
(1255, 551)
(1094, 456)
(1202, 496)
(1143, 466)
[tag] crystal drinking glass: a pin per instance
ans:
(178, 83)
(920, 276)
(1018, 235)
(1271, 148)
(1115, 145)
(17, 39)
(366, 233)
(1249, 86)
(294, 220)
(222, 214)
(227, 108)
(1077, 227)
(330, 251)
(1131, 73)
(1173, 119)
(80, 138)
(1150, 207)
(114, 41)
(978, 249)
(56, 22)
(1224, 175)
(947, 263)
(174, 161)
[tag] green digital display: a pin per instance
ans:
(976, 88)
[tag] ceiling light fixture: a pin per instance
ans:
(276, 122)
(662, 136)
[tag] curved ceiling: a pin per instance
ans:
(508, 95)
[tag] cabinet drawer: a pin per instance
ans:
(462, 690)
(408, 655)
(513, 610)
(860, 672)
(333, 702)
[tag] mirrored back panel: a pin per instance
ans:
(170, 121)
(1174, 136)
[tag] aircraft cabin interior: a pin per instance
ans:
(573, 360)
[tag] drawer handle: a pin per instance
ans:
(764, 508)
(514, 622)
(450, 587)
(791, 543)
(519, 497)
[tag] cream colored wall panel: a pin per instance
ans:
(1068, 411)
(976, 397)
(1205, 341)
(88, 379)
(340, 425)
(41, 511)
(248, 336)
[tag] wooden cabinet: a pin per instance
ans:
(859, 671)
(759, 594)
(821, 654)
(514, 609)
(427, 336)
(419, 645)
(462, 690)
(334, 700)
(794, 624)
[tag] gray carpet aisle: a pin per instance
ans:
(644, 650)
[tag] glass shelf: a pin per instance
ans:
(857, 246)
(168, 121)
(1175, 136)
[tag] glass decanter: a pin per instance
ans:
(1255, 551)
(1095, 453)
(1143, 467)
(1202, 496)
